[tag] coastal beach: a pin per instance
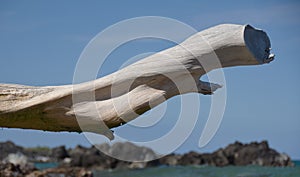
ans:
(237, 159)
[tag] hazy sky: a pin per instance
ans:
(41, 41)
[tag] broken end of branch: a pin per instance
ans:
(258, 43)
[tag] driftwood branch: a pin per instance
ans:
(115, 99)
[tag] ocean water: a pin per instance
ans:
(204, 171)
(43, 166)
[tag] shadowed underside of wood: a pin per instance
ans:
(115, 99)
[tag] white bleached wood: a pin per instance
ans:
(131, 91)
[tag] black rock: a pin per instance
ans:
(255, 154)
(59, 153)
(130, 152)
(191, 158)
(171, 159)
(219, 158)
(234, 154)
(9, 148)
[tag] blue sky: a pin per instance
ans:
(41, 41)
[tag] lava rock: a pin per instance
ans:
(59, 153)
(9, 148)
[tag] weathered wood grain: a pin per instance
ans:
(122, 96)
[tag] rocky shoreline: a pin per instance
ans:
(79, 161)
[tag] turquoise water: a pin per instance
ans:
(204, 171)
(297, 162)
(42, 166)
(196, 171)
